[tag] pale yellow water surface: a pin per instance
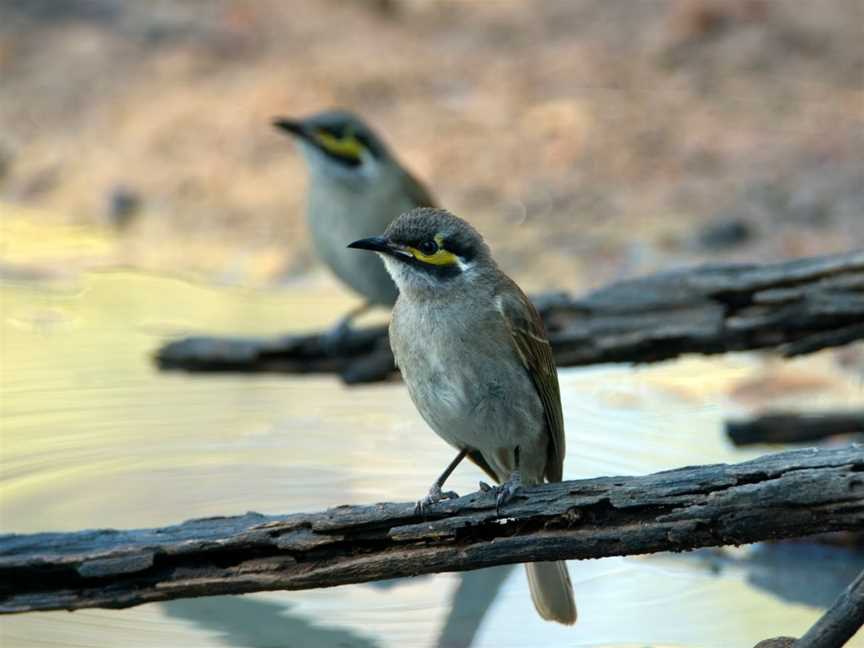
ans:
(94, 436)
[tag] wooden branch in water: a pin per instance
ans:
(794, 307)
(784, 495)
(842, 620)
(787, 427)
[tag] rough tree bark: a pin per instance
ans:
(796, 306)
(790, 494)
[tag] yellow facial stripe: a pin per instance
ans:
(346, 146)
(441, 256)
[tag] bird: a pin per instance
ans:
(475, 357)
(357, 186)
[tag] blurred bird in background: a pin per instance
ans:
(357, 187)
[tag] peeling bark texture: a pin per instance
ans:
(795, 307)
(842, 620)
(791, 494)
(789, 427)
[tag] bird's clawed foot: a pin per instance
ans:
(434, 496)
(505, 492)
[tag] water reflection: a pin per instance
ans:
(798, 572)
(85, 414)
(469, 605)
(246, 622)
(252, 622)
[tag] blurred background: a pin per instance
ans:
(621, 134)
(144, 194)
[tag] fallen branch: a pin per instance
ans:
(784, 495)
(840, 622)
(795, 307)
(794, 428)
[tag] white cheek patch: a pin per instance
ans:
(395, 269)
(370, 168)
(404, 276)
(408, 278)
(464, 265)
(389, 265)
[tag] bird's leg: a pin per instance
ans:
(435, 494)
(333, 339)
(509, 488)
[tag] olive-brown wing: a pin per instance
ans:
(532, 346)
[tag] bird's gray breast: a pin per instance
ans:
(464, 377)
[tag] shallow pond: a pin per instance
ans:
(94, 436)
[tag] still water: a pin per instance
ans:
(94, 436)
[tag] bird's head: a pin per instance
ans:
(337, 144)
(427, 249)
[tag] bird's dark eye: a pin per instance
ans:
(428, 247)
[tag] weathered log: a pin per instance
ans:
(784, 495)
(788, 427)
(795, 307)
(842, 620)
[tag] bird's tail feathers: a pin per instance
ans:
(551, 591)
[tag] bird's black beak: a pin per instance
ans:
(382, 245)
(292, 126)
